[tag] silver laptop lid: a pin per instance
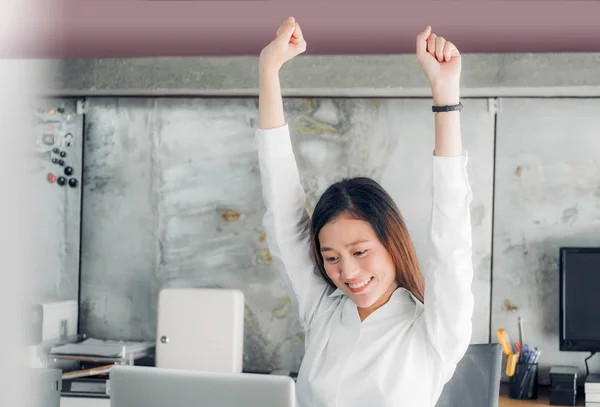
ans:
(139, 386)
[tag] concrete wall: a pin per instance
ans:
(482, 75)
(161, 175)
(547, 195)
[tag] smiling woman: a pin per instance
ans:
(362, 246)
(378, 331)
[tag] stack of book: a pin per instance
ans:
(563, 385)
(95, 358)
(103, 349)
(592, 390)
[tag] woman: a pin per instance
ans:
(378, 332)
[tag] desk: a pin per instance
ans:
(542, 399)
(503, 402)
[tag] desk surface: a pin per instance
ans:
(542, 399)
(504, 401)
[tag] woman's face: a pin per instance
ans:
(357, 262)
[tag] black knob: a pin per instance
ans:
(69, 171)
(60, 110)
(61, 162)
(61, 181)
(63, 153)
(55, 161)
(55, 150)
(73, 182)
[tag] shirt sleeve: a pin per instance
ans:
(448, 299)
(287, 223)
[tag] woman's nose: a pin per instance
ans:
(350, 269)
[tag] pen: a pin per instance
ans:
(521, 331)
(100, 370)
(525, 354)
(510, 342)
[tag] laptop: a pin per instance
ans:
(141, 386)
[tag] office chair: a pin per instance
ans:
(476, 380)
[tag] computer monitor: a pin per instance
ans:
(579, 299)
(141, 386)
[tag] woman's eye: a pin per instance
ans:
(331, 259)
(360, 253)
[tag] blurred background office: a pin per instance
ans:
(147, 175)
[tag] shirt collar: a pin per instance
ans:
(337, 293)
(400, 293)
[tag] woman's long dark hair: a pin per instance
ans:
(364, 199)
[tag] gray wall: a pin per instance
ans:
(547, 195)
(160, 173)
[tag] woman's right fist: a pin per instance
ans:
(288, 43)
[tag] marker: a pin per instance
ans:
(511, 364)
(501, 333)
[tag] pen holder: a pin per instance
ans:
(523, 384)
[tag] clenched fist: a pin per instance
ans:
(439, 60)
(288, 43)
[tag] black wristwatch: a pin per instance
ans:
(451, 108)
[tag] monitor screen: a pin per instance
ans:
(580, 299)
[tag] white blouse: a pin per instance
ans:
(404, 352)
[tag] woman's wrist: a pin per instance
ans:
(267, 67)
(446, 96)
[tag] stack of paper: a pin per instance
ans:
(592, 391)
(104, 348)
